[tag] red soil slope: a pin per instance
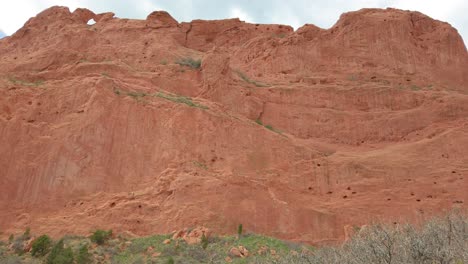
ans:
(364, 121)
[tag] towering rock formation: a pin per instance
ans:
(295, 134)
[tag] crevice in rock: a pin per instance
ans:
(186, 34)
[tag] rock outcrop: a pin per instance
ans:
(296, 134)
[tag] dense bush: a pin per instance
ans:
(101, 236)
(60, 255)
(41, 246)
(83, 257)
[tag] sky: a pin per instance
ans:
(13, 14)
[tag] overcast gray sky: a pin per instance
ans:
(14, 13)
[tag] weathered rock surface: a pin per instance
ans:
(299, 135)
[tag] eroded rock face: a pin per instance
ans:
(301, 135)
(159, 19)
(83, 15)
(192, 236)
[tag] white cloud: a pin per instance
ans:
(147, 7)
(451, 11)
(436, 9)
(237, 12)
(285, 15)
(15, 13)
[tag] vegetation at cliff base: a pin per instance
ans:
(440, 240)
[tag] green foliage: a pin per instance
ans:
(244, 77)
(83, 257)
(100, 236)
(353, 77)
(415, 87)
(200, 165)
(189, 62)
(204, 241)
(253, 242)
(11, 238)
(140, 245)
(26, 83)
(180, 99)
(170, 260)
(27, 233)
(210, 250)
(60, 255)
(41, 246)
(441, 240)
(137, 95)
(269, 127)
(239, 230)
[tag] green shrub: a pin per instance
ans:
(100, 236)
(60, 255)
(41, 246)
(415, 88)
(239, 230)
(26, 83)
(269, 127)
(244, 77)
(84, 257)
(170, 260)
(27, 234)
(190, 62)
(11, 238)
(204, 241)
(200, 165)
(136, 95)
(180, 99)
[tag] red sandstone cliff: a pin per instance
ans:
(366, 120)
